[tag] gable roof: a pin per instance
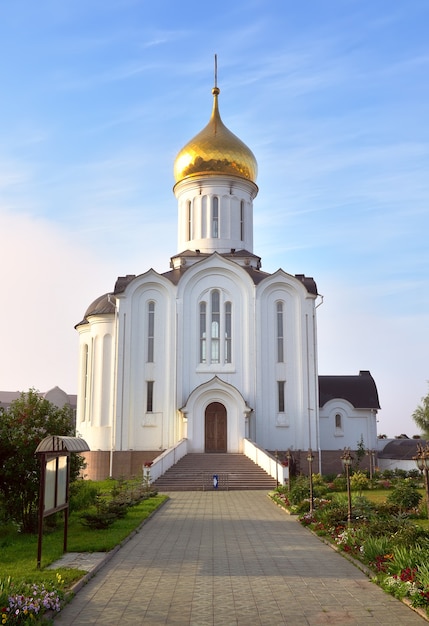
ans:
(360, 390)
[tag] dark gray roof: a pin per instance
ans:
(360, 390)
(56, 443)
(101, 306)
(401, 449)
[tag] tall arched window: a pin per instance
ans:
(150, 331)
(280, 333)
(85, 381)
(215, 327)
(215, 330)
(188, 220)
(203, 333)
(242, 220)
(228, 331)
(215, 218)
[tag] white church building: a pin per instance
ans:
(214, 352)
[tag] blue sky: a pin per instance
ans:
(332, 97)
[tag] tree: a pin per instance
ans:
(360, 452)
(28, 420)
(421, 416)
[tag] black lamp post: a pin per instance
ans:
(422, 462)
(347, 459)
(371, 463)
(310, 458)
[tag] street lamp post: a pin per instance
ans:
(276, 454)
(422, 462)
(347, 459)
(310, 458)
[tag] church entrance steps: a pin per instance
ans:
(195, 472)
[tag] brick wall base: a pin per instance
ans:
(130, 463)
(330, 462)
(124, 464)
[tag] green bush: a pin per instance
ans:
(99, 517)
(300, 490)
(340, 483)
(405, 496)
(362, 508)
(83, 494)
(359, 482)
(333, 513)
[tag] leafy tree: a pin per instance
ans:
(360, 452)
(28, 420)
(421, 416)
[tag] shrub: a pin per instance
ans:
(333, 513)
(300, 490)
(405, 495)
(359, 482)
(340, 483)
(100, 517)
(83, 494)
(362, 507)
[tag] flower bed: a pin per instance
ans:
(23, 603)
(384, 537)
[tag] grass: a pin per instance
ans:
(19, 552)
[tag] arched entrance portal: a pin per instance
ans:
(215, 428)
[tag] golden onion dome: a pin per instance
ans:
(215, 150)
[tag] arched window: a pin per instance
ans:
(203, 334)
(215, 330)
(215, 218)
(280, 333)
(228, 331)
(85, 381)
(338, 421)
(150, 331)
(242, 220)
(188, 220)
(215, 327)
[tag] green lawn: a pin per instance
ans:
(19, 551)
(380, 495)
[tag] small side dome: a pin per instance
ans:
(101, 306)
(215, 150)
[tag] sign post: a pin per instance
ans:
(54, 454)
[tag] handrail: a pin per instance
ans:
(267, 461)
(167, 459)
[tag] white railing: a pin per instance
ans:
(267, 461)
(167, 459)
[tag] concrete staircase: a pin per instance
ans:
(194, 472)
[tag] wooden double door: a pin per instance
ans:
(215, 424)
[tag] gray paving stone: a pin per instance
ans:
(221, 558)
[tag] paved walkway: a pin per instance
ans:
(224, 558)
